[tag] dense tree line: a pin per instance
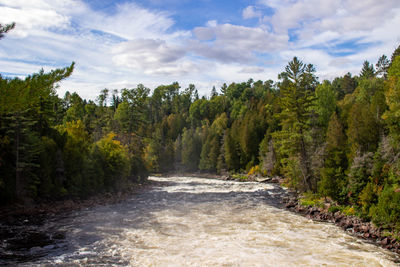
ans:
(338, 139)
(54, 148)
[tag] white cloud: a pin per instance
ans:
(235, 43)
(296, 14)
(153, 57)
(52, 34)
(212, 23)
(133, 22)
(276, 3)
(336, 36)
(134, 45)
(342, 16)
(149, 51)
(251, 12)
(204, 34)
(32, 19)
(252, 69)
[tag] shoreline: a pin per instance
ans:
(352, 225)
(36, 212)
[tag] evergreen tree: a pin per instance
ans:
(395, 54)
(6, 28)
(214, 92)
(232, 151)
(191, 149)
(392, 116)
(224, 88)
(382, 66)
(296, 89)
(367, 70)
(325, 103)
(26, 113)
(335, 162)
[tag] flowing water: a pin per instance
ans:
(185, 221)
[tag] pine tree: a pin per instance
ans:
(224, 88)
(191, 149)
(296, 89)
(367, 70)
(26, 114)
(395, 53)
(335, 162)
(6, 28)
(214, 92)
(382, 66)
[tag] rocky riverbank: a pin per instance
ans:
(351, 224)
(22, 233)
(44, 208)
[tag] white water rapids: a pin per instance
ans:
(185, 221)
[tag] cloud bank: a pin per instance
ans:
(129, 43)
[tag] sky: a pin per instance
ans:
(121, 43)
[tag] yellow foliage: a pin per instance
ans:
(349, 211)
(254, 170)
(75, 129)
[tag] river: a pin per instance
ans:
(186, 221)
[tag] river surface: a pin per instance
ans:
(186, 221)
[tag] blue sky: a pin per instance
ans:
(118, 44)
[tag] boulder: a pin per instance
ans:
(262, 179)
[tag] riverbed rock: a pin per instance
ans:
(263, 179)
(291, 204)
(385, 241)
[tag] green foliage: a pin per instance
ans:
(367, 70)
(344, 85)
(6, 28)
(395, 54)
(296, 88)
(382, 66)
(191, 149)
(309, 199)
(26, 113)
(335, 162)
(386, 212)
(232, 151)
(359, 175)
(392, 116)
(368, 197)
(324, 103)
(240, 177)
(113, 158)
(349, 211)
(75, 155)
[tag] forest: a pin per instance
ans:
(338, 140)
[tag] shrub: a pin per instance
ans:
(114, 160)
(386, 212)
